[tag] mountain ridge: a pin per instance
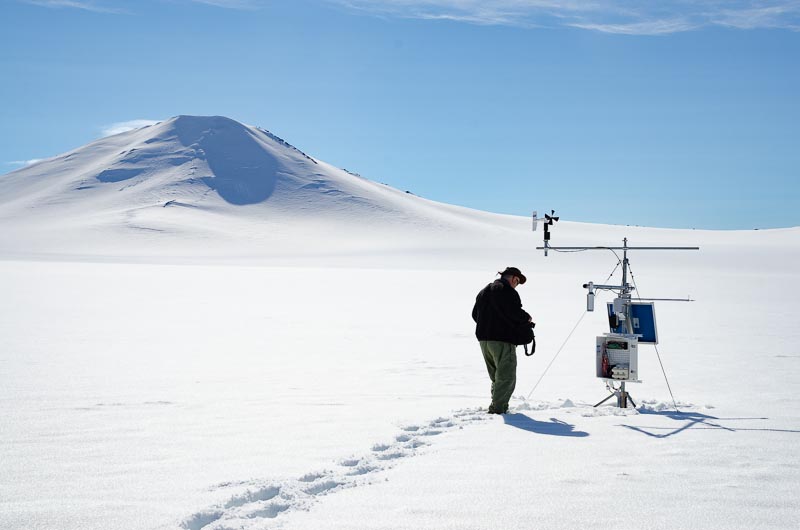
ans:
(208, 180)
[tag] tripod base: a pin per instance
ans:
(622, 397)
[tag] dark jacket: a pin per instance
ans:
(499, 315)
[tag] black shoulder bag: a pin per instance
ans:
(524, 336)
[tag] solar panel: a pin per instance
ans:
(643, 321)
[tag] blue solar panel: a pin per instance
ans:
(643, 318)
(643, 321)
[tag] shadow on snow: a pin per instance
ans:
(696, 420)
(553, 427)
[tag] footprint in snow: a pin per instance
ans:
(262, 502)
(311, 477)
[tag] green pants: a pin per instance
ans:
(501, 362)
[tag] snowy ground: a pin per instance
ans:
(345, 391)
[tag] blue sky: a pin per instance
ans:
(684, 115)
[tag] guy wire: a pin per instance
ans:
(658, 355)
(619, 262)
(556, 355)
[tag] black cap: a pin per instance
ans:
(513, 271)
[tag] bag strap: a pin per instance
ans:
(533, 341)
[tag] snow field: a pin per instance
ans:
(193, 396)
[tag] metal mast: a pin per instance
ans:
(623, 304)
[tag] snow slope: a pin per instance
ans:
(305, 359)
(214, 187)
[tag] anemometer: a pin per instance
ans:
(632, 321)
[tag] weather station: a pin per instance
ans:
(631, 319)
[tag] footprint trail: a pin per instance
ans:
(264, 503)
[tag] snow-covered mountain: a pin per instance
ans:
(197, 182)
(196, 161)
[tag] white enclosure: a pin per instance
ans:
(617, 357)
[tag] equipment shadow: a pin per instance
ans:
(695, 420)
(554, 427)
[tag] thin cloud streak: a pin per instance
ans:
(762, 17)
(657, 27)
(78, 4)
(125, 126)
(24, 162)
(116, 6)
(231, 4)
(628, 17)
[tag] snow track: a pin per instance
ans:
(264, 501)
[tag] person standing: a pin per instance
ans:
(502, 324)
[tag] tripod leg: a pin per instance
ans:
(606, 399)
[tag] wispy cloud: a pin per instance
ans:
(24, 162)
(231, 4)
(86, 5)
(631, 17)
(775, 16)
(119, 6)
(650, 27)
(125, 126)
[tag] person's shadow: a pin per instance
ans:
(553, 427)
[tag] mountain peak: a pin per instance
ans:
(194, 128)
(241, 168)
(192, 175)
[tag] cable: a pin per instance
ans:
(568, 251)
(619, 262)
(665, 379)
(633, 279)
(556, 356)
